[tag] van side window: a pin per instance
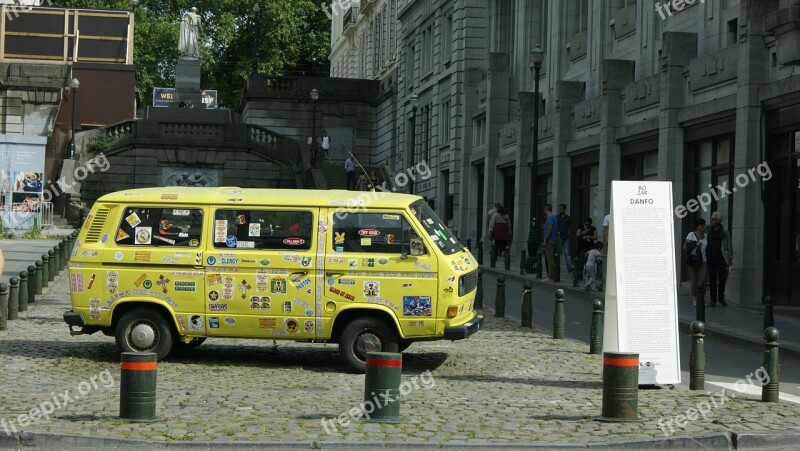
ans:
(263, 229)
(377, 233)
(156, 226)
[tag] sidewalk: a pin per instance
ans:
(733, 322)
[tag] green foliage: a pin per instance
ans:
(99, 143)
(293, 38)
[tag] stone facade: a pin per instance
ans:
(694, 95)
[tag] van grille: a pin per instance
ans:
(96, 228)
(470, 281)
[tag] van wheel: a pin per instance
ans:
(144, 330)
(362, 336)
(181, 345)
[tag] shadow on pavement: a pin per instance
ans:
(590, 385)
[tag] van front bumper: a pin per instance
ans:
(465, 330)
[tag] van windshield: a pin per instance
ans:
(435, 228)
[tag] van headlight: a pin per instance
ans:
(461, 286)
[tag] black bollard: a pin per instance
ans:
(771, 381)
(527, 304)
(620, 386)
(697, 357)
(40, 280)
(31, 284)
(480, 252)
(57, 258)
(769, 317)
(13, 298)
(3, 306)
(596, 331)
(558, 315)
(507, 262)
(469, 244)
(64, 253)
(382, 382)
(23, 291)
(479, 291)
(137, 392)
(500, 298)
(51, 265)
(522, 262)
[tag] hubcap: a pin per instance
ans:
(143, 336)
(367, 342)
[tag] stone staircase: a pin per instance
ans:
(335, 175)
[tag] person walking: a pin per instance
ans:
(500, 230)
(550, 239)
(489, 216)
(326, 147)
(719, 255)
(585, 238)
(697, 269)
(374, 180)
(564, 226)
(350, 169)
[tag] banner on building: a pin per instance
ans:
(164, 97)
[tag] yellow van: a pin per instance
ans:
(169, 267)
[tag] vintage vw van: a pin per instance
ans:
(169, 267)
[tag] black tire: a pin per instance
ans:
(180, 345)
(403, 345)
(154, 334)
(362, 336)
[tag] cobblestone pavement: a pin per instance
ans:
(503, 385)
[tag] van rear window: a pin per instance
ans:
(156, 226)
(263, 229)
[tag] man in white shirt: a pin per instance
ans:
(326, 146)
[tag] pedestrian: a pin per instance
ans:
(590, 267)
(374, 180)
(313, 149)
(489, 216)
(564, 226)
(550, 240)
(500, 230)
(698, 271)
(585, 238)
(350, 168)
(719, 255)
(363, 181)
(326, 146)
(606, 225)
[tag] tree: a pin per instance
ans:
(294, 38)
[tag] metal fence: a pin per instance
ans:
(26, 215)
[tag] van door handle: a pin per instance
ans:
(335, 274)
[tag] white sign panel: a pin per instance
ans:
(641, 293)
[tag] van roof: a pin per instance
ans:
(258, 196)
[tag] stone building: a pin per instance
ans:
(702, 94)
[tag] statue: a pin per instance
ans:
(190, 29)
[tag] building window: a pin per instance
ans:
(427, 51)
(479, 130)
(643, 166)
(712, 166)
(444, 123)
(583, 16)
(447, 39)
(542, 25)
(733, 30)
(427, 139)
(449, 198)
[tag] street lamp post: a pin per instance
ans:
(74, 84)
(256, 10)
(413, 149)
(534, 236)
(314, 149)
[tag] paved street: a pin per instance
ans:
(504, 385)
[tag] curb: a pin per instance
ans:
(711, 331)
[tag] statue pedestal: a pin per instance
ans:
(187, 82)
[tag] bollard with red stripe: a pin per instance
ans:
(382, 387)
(137, 393)
(620, 386)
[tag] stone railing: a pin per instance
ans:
(287, 148)
(210, 132)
